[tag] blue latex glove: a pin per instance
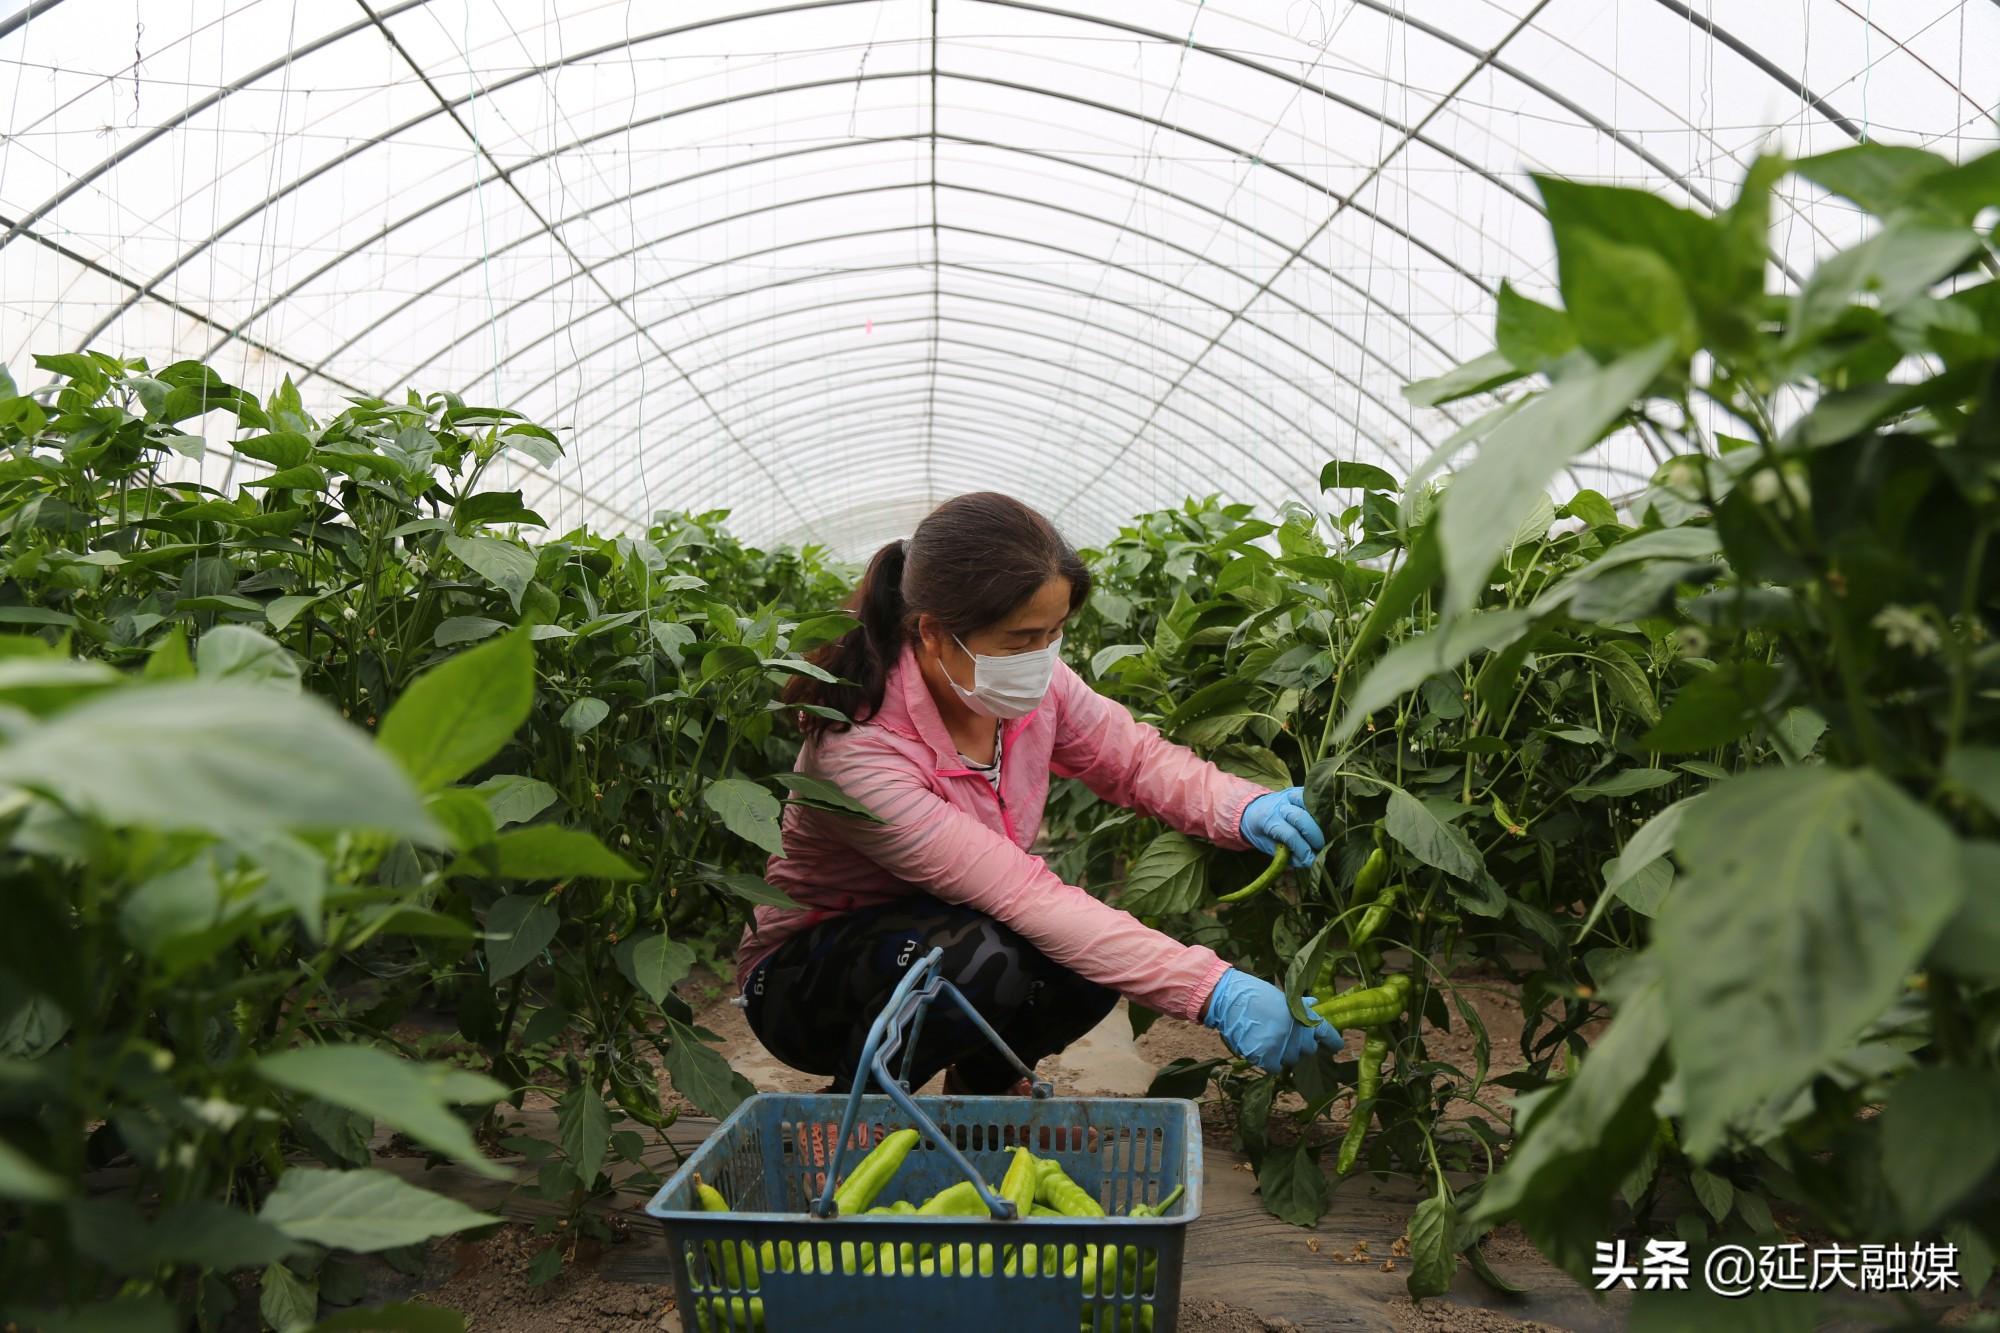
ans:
(1281, 816)
(1252, 1016)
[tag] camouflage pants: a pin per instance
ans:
(811, 1003)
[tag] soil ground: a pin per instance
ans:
(1245, 1271)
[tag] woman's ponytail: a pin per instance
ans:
(861, 657)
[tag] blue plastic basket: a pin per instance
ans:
(777, 1261)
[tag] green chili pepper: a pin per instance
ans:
(960, 1200)
(1018, 1186)
(1059, 1192)
(741, 1274)
(1368, 1007)
(1377, 914)
(730, 1313)
(867, 1179)
(1279, 860)
(1373, 871)
(1158, 1209)
(1368, 1082)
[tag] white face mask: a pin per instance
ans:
(1008, 687)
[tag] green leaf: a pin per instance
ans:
(465, 629)
(1412, 662)
(464, 816)
(518, 927)
(1168, 878)
(1715, 708)
(514, 799)
(1626, 680)
(1479, 375)
(281, 449)
(25, 1180)
(1516, 462)
(653, 963)
(394, 1319)
(288, 1302)
(1809, 894)
(1584, 1133)
(747, 810)
(415, 1098)
(1976, 769)
(755, 889)
(237, 652)
(584, 1126)
(1302, 973)
(363, 1211)
(459, 714)
(1433, 1256)
(1183, 1077)
(1621, 298)
(1715, 1192)
(282, 611)
(230, 759)
(1593, 509)
(1529, 334)
(1339, 475)
(1108, 656)
(506, 565)
(582, 716)
(700, 1073)
(1293, 1185)
(496, 507)
(1625, 782)
(1940, 1139)
(824, 795)
(814, 631)
(1434, 842)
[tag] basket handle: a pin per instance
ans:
(906, 1008)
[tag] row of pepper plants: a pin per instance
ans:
(230, 908)
(1712, 776)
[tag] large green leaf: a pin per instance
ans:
(1293, 1184)
(415, 1098)
(226, 758)
(239, 653)
(824, 795)
(1433, 1255)
(1437, 843)
(519, 926)
(458, 715)
(1940, 1138)
(701, 1074)
(653, 963)
(1479, 375)
(364, 1211)
(1168, 878)
(25, 1180)
(1809, 894)
(584, 1125)
(288, 1302)
(1530, 335)
(1577, 1141)
(1516, 462)
(515, 799)
(1412, 662)
(1625, 782)
(748, 811)
(506, 565)
(1717, 707)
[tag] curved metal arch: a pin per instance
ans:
(1331, 407)
(707, 334)
(1073, 254)
(785, 433)
(946, 365)
(768, 208)
(1016, 356)
(449, 107)
(318, 368)
(903, 442)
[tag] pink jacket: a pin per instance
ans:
(946, 832)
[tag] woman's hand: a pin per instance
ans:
(1253, 1018)
(1281, 817)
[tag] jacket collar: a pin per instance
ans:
(909, 711)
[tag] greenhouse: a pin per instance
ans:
(1193, 665)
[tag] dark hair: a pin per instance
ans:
(972, 561)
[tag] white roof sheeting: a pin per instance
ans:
(823, 264)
